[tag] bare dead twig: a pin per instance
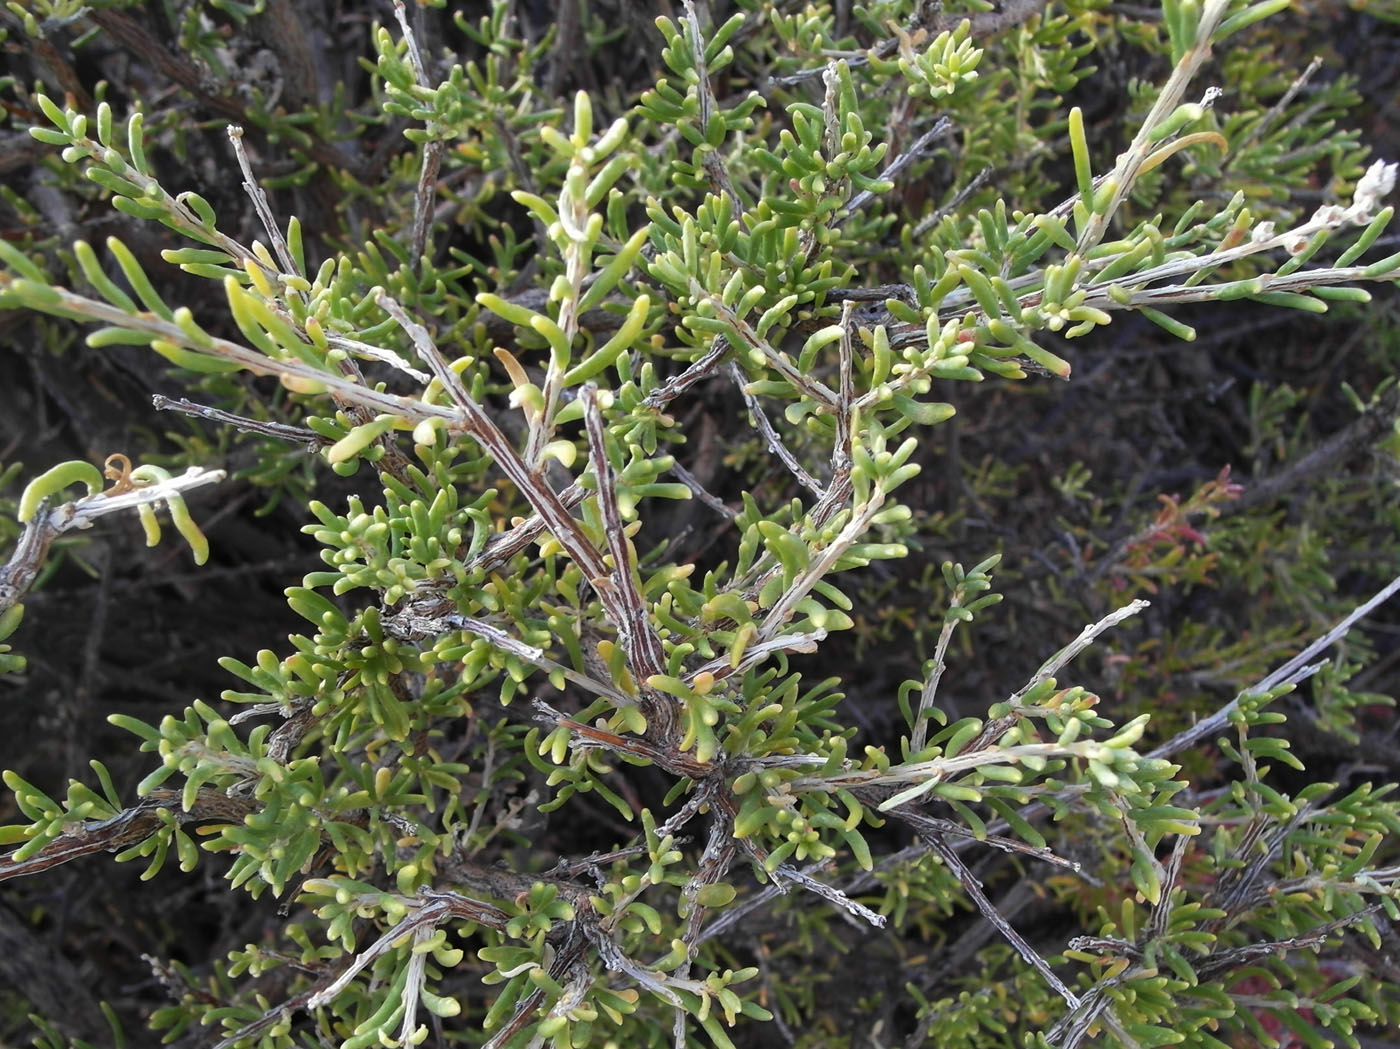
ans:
(279, 431)
(894, 167)
(620, 591)
(1296, 669)
(697, 371)
(712, 162)
(698, 490)
(973, 888)
(770, 435)
(260, 204)
(433, 149)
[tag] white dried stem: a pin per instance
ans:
(831, 894)
(1297, 281)
(407, 624)
(1087, 636)
(939, 770)
(375, 353)
(930, 690)
(573, 215)
(755, 654)
(413, 985)
(435, 908)
(845, 407)
(83, 512)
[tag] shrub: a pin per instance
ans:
(513, 303)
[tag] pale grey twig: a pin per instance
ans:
(1087, 636)
(1294, 670)
(1243, 955)
(831, 894)
(433, 149)
(406, 624)
(935, 217)
(779, 362)
(434, 908)
(973, 888)
(280, 431)
(83, 512)
(820, 566)
(698, 490)
(756, 653)
(902, 161)
(742, 909)
(1098, 296)
(698, 370)
(260, 204)
(1160, 922)
(710, 159)
(375, 353)
(502, 546)
(770, 435)
(928, 693)
(1131, 161)
(621, 593)
(935, 826)
(1052, 666)
(413, 984)
(1278, 108)
(845, 409)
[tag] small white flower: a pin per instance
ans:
(1378, 181)
(1374, 187)
(1262, 232)
(1329, 215)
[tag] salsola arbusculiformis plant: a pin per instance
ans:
(510, 617)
